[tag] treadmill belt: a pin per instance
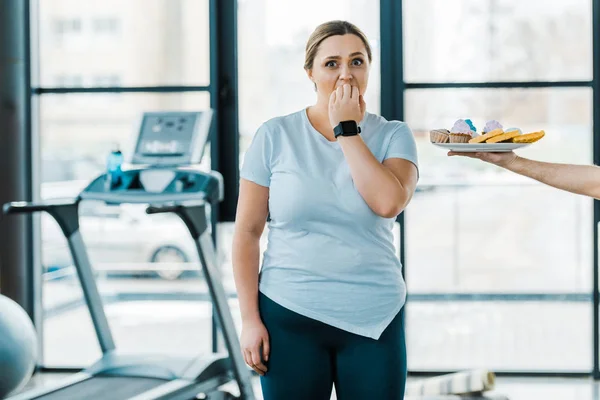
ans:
(104, 387)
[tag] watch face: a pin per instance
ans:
(349, 127)
(346, 128)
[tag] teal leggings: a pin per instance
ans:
(308, 358)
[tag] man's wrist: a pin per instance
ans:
(513, 164)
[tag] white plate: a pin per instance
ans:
(482, 147)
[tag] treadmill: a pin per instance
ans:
(163, 175)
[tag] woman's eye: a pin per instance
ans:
(357, 62)
(330, 64)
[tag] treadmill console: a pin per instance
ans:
(164, 165)
(157, 185)
(172, 138)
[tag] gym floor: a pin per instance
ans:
(513, 388)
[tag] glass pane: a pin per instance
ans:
(491, 231)
(499, 336)
(68, 334)
(564, 113)
(272, 37)
(124, 43)
(497, 40)
(498, 237)
(147, 274)
(146, 266)
(78, 130)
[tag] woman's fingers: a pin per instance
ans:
(257, 363)
(266, 349)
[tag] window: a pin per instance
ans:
(151, 42)
(110, 80)
(146, 266)
(106, 26)
(475, 229)
(271, 41)
(497, 40)
(66, 80)
(498, 265)
(67, 26)
(136, 257)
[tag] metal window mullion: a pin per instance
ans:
(392, 78)
(119, 89)
(224, 101)
(596, 158)
(498, 85)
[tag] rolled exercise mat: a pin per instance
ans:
(464, 382)
(458, 397)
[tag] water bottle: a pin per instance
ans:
(114, 161)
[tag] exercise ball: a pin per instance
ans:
(18, 347)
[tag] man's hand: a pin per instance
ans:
(501, 159)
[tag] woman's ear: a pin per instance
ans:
(310, 76)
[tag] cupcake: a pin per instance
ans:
(461, 132)
(491, 125)
(491, 129)
(439, 136)
(473, 129)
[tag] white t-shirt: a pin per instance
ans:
(329, 256)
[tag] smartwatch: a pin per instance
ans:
(346, 128)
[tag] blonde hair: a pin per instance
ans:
(328, 29)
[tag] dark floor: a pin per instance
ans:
(513, 388)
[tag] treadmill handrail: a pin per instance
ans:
(28, 207)
(66, 214)
(173, 207)
(142, 198)
(194, 218)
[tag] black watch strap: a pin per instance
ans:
(346, 128)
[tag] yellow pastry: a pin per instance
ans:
(529, 137)
(486, 136)
(504, 137)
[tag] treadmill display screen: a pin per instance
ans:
(172, 137)
(165, 148)
(166, 135)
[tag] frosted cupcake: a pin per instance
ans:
(461, 132)
(491, 125)
(439, 136)
(473, 129)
